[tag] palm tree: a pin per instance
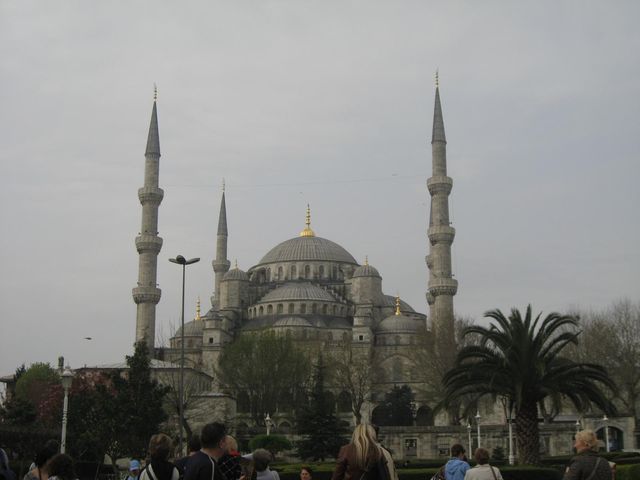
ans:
(520, 359)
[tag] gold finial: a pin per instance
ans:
(155, 92)
(198, 309)
(398, 305)
(437, 79)
(307, 232)
(366, 259)
(235, 264)
(223, 185)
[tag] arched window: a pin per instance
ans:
(280, 273)
(321, 271)
(269, 309)
(294, 272)
(261, 310)
(341, 310)
(397, 340)
(268, 274)
(335, 272)
(280, 308)
(335, 310)
(290, 308)
(330, 336)
(345, 337)
(303, 308)
(396, 370)
(284, 427)
(314, 308)
(325, 307)
(307, 271)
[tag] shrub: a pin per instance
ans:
(273, 443)
(627, 472)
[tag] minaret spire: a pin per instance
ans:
(147, 295)
(307, 232)
(442, 286)
(221, 263)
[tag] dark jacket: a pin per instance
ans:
(583, 464)
(346, 468)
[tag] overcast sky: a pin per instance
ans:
(325, 102)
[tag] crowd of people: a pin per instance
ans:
(214, 455)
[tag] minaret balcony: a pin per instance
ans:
(146, 295)
(221, 266)
(148, 243)
(443, 286)
(441, 234)
(440, 184)
(152, 195)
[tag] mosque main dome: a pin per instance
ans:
(307, 248)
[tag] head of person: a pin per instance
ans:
(46, 453)
(261, 459)
(586, 440)
(232, 444)
(214, 436)
(61, 466)
(134, 468)
(160, 447)
(481, 456)
(194, 444)
(365, 442)
(306, 473)
(457, 450)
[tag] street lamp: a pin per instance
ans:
(469, 435)
(67, 379)
(180, 260)
(478, 424)
(606, 431)
(268, 422)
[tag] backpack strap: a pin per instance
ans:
(595, 468)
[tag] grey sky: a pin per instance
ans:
(322, 102)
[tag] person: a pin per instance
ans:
(587, 463)
(229, 463)
(306, 473)
(456, 467)
(194, 445)
(360, 458)
(134, 470)
(60, 467)
(261, 460)
(482, 471)
(203, 464)
(40, 471)
(5, 469)
(158, 465)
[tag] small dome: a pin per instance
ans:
(235, 274)
(298, 291)
(366, 270)
(191, 329)
(292, 322)
(398, 324)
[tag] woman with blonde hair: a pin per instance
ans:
(587, 465)
(360, 459)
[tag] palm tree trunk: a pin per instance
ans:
(527, 435)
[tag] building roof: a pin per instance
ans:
(191, 329)
(308, 248)
(398, 324)
(366, 270)
(292, 321)
(235, 274)
(298, 291)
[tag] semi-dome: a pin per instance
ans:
(191, 329)
(366, 270)
(292, 322)
(308, 248)
(398, 324)
(298, 291)
(235, 274)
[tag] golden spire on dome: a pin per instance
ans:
(307, 232)
(198, 309)
(155, 92)
(366, 260)
(235, 264)
(398, 305)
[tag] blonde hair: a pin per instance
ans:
(232, 443)
(589, 438)
(365, 443)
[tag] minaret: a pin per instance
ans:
(147, 295)
(442, 285)
(221, 264)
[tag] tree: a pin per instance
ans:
(353, 370)
(266, 367)
(520, 358)
(318, 422)
(612, 337)
(397, 409)
(36, 385)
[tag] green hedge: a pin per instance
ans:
(628, 472)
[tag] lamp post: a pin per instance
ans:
(478, 424)
(469, 440)
(512, 458)
(67, 379)
(268, 422)
(606, 431)
(180, 260)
